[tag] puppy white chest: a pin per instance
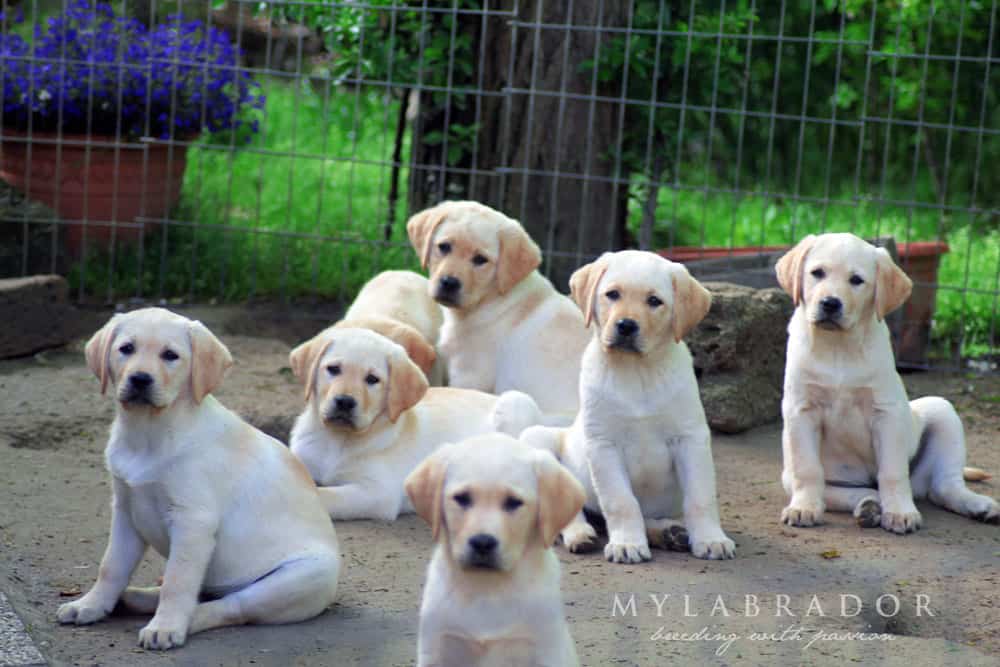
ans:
(149, 508)
(845, 417)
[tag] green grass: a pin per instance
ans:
(973, 259)
(316, 175)
(319, 169)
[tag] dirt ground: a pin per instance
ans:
(54, 517)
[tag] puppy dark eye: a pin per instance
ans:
(445, 248)
(479, 260)
(127, 349)
(371, 379)
(654, 302)
(463, 499)
(333, 369)
(512, 503)
(613, 295)
(857, 280)
(169, 355)
(818, 273)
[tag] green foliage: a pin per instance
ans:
(973, 259)
(318, 174)
(725, 70)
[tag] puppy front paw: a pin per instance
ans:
(717, 549)
(901, 517)
(580, 537)
(81, 612)
(801, 515)
(162, 634)
(626, 552)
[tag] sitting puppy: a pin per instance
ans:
(370, 419)
(851, 441)
(492, 594)
(641, 426)
(233, 512)
(505, 326)
(400, 300)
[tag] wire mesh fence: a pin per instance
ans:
(235, 150)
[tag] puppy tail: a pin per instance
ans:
(514, 412)
(545, 437)
(975, 474)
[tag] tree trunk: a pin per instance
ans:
(524, 138)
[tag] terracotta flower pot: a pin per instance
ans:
(111, 182)
(911, 325)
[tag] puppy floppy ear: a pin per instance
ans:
(892, 285)
(98, 351)
(420, 228)
(560, 497)
(691, 303)
(519, 256)
(304, 359)
(789, 268)
(425, 488)
(583, 286)
(210, 360)
(417, 348)
(407, 385)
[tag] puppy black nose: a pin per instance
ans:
(140, 380)
(830, 305)
(483, 544)
(344, 403)
(627, 327)
(449, 284)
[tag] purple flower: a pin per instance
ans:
(90, 71)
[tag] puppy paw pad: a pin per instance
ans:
(868, 513)
(676, 538)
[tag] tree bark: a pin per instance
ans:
(538, 129)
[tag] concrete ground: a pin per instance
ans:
(54, 517)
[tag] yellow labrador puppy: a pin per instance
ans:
(370, 419)
(492, 594)
(505, 326)
(852, 442)
(233, 512)
(640, 444)
(400, 300)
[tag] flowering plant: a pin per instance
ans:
(89, 71)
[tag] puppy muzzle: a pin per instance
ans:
(138, 390)
(827, 321)
(625, 344)
(481, 553)
(335, 417)
(448, 291)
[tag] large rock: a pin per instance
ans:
(739, 355)
(36, 315)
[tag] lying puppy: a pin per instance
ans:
(492, 594)
(370, 419)
(641, 426)
(851, 441)
(505, 326)
(395, 300)
(233, 512)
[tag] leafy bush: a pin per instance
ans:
(90, 71)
